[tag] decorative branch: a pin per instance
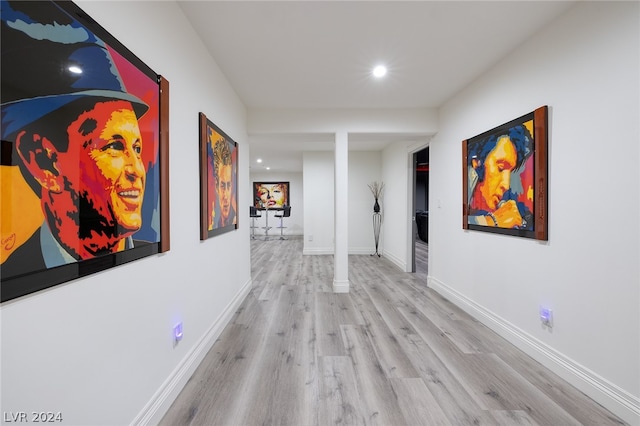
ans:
(376, 189)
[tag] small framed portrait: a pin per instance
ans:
(504, 178)
(218, 180)
(270, 195)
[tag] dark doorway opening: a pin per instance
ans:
(421, 213)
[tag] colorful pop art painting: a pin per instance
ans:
(270, 195)
(505, 178)
(218, 180)
(84, 151)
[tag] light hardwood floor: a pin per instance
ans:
(422, 260)
(391, 352)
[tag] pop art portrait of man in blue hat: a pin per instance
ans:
(73, 130)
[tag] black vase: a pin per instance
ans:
(376, 207)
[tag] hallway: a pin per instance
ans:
(391, 352)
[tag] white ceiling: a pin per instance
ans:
(319, 54)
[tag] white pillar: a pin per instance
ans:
(341, 215)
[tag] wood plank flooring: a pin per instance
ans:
(422, 258)
(391, 352)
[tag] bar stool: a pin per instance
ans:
(253, 213)
(285, 212)
(266, 226)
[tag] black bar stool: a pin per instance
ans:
(285, 212)
(253, 213)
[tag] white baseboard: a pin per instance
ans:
(317, 251)
(361, 250)
(159, 404)
(395, 260)
(341, 286)
(329, 250)
(617, 400)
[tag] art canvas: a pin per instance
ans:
(505, 178)
(270, 195)
(218, 180)
(84, 152)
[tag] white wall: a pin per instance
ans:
(585, 66)
(99, 349)
(318, 166)
(318, 181)
(365, 167)
(397, 173)
(294, 225)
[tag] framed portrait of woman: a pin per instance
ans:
(270, 195)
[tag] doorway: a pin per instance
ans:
(421, 212)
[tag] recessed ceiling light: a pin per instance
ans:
(379, 71)
(259, 160)
(268, 168)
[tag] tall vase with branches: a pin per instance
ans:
(376, 189)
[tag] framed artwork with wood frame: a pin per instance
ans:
(218, 180)
(504, 178)
(85, 149)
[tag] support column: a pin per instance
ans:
(341, 215)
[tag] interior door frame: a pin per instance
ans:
(414, 225)
(412, 228)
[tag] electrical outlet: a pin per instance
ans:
(310, 237)
(546, 316)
